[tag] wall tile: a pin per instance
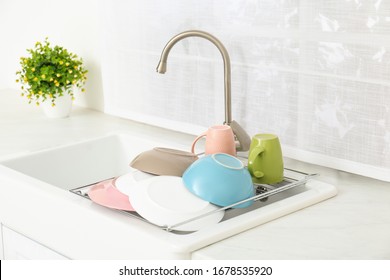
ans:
(316, 73)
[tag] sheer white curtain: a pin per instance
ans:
(316, 73)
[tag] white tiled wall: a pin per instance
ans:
(313, 72)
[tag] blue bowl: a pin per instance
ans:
(220, 179)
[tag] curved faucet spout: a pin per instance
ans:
(242, 137)
(162, 65)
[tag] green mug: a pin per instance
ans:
(265, 160)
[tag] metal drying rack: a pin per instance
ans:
(293, 179)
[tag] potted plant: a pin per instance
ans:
(50, 75)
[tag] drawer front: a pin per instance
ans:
(19, 247)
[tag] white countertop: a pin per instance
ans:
(353, 225)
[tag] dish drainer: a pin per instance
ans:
(293, 183)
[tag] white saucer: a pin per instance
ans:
(124, 182)
(165, 201)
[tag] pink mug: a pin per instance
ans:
(219, 139)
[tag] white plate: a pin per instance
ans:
(165, 201)
(124, 182)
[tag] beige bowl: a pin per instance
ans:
(164, 161)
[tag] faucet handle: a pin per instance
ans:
(242, 137)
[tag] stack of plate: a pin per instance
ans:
(162, 200)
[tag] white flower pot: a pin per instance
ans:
(62, 108)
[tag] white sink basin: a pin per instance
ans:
(84, 163)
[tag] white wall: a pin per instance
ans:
(316, 73)
(72, 24)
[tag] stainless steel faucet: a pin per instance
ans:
(242, 137)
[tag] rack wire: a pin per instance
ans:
(293, 179)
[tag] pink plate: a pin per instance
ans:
(105, 193)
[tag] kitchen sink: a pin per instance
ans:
(75, 167)
(83, 163)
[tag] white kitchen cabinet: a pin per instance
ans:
(19, 247)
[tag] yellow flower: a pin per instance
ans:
(50, 95)
(43, 76)
(70, 71)
(51, 79)
(33, 69)
(67, 64)
(35, 79)
(58, 75)
(67, 81)
(61, 62)
(57, 84)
